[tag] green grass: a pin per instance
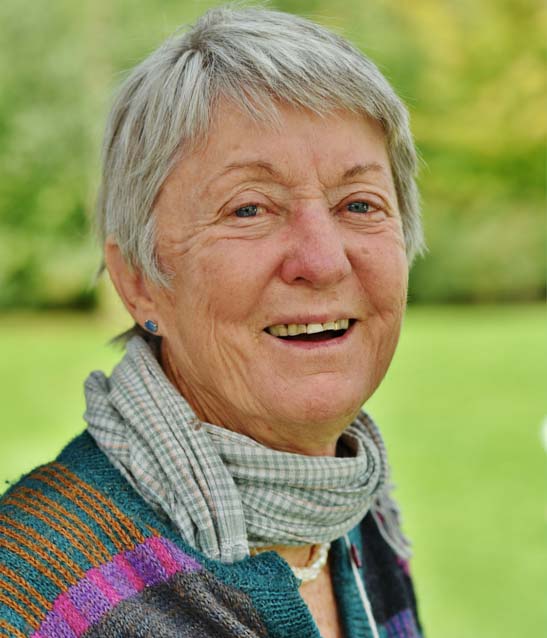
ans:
(460, 409)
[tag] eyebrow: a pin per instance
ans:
(355, 171)
(265, 167)
(362, 169)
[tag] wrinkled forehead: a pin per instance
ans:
(235, 137)
(302, 150)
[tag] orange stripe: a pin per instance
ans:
(13, 632)
(19, 610)
(31, 560)
(32, 591)
(153, 530)
(61, 556)
(110, 507)
(109, 512)
(84, 531)
(69, 493)
(28, 604)
(57, 562)
(35, 511)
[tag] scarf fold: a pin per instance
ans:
(223, 491)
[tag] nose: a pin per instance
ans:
(316, 252)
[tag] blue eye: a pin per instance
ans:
(247, 211)
(359, 207)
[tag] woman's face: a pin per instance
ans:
(287, 227)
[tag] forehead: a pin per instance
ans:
(301, 146)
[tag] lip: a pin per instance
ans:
(314, 345)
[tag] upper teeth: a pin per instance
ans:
(293, 329)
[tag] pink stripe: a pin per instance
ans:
(98, 579)
(103, 587)
(128, 571)
(66, 608)
(164, 555)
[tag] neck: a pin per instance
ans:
(296, 556)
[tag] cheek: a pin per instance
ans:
(385, 282)
(382, 269)
(222, 283)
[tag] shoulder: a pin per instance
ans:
(80, 552)
(66, 504)
(57, 524)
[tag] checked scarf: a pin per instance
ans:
(223, 491)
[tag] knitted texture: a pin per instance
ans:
(82, 555)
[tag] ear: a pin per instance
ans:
(136, 292)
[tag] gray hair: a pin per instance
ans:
(254, 57)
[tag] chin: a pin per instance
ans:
(328, 407)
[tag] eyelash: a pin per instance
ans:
(369, 207)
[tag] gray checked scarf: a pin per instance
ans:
(223, 491)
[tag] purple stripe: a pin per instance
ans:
(399, 624)
(99, 581)
(87, 602)
(408, 622)
(120, 576)
(402, 625)
(147, 565)
(187, 563)
(55, 626)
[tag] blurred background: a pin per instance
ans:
(462, 405)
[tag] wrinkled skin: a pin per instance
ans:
(307, 255)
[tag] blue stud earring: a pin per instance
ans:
(151, 326)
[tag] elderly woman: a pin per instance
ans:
(259, 214)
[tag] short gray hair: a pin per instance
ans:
(254, 57)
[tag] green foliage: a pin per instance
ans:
(460, 410)
(45, 254)
(471, 72)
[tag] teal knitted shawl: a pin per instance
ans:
(83, 555)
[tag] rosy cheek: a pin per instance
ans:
(383, 273)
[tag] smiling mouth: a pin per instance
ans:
(311, 331)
